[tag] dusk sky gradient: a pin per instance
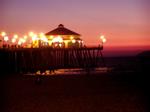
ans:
(123, 22)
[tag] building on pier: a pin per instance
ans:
(62, 37)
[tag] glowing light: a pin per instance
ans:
(38, 72)
(44, 39)
(19, 43)
(71, 38)
(3, 34)
(79, 41)
(73, 41)
(42, 34)
(104, 40)
(31, 34)
(25, 37)
(47, 72)
(57, 39)
(34, 37)
(51, 37)
(13, 40)
(60, 45)
(6, 38)
(15, 36)
(102, 37)
(22, 40)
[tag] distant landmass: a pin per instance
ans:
(124, 51)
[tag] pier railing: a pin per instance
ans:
(16, 60)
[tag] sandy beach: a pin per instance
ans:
(74, 93)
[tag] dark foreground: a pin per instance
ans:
(112, 92)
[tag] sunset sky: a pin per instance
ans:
(123, 22)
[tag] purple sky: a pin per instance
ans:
(123, 22)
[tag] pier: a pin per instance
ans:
(25, 60)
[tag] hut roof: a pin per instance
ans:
(61, 30)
